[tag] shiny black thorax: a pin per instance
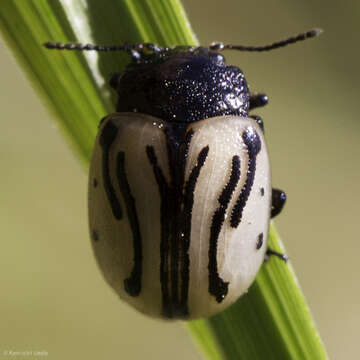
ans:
(182, 85)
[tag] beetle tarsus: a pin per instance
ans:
(270, 252)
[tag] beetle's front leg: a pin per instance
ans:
(258, 100)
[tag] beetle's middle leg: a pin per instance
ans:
(278, 200)
(277, 204)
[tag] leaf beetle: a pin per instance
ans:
(180, 194)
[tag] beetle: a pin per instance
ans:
(180, 193)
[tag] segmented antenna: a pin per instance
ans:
(137, 50)
(307, 35)
(133, 49)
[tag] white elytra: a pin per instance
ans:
(238, 259)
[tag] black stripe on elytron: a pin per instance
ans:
(176, 210)
(107, 137)
(178, 142)
(217, 286)
(253, 142)
(133, 283)
(188, 207)
(165, 231)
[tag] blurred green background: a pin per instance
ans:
(53, 297)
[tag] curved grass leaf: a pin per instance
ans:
(272, 320)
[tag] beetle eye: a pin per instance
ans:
(218, 59)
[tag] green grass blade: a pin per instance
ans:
(272, 321)
(204, 337)
(65, 82)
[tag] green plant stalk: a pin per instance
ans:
(272, 321)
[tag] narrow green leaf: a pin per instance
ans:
(205, 339)
(272, 320)
(65, 82)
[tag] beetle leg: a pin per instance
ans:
(258, 100)
(270, 252)
(259, 121)
(278, 201)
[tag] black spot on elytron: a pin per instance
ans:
(94, 235)
(260, 241)
(107, 137)
(217, 286)
(95, 183)
(133, 283)
(253, 142)
(177, 198)
(262, 191)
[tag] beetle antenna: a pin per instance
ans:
(307, 35)
(135, 50)
(82, 47)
